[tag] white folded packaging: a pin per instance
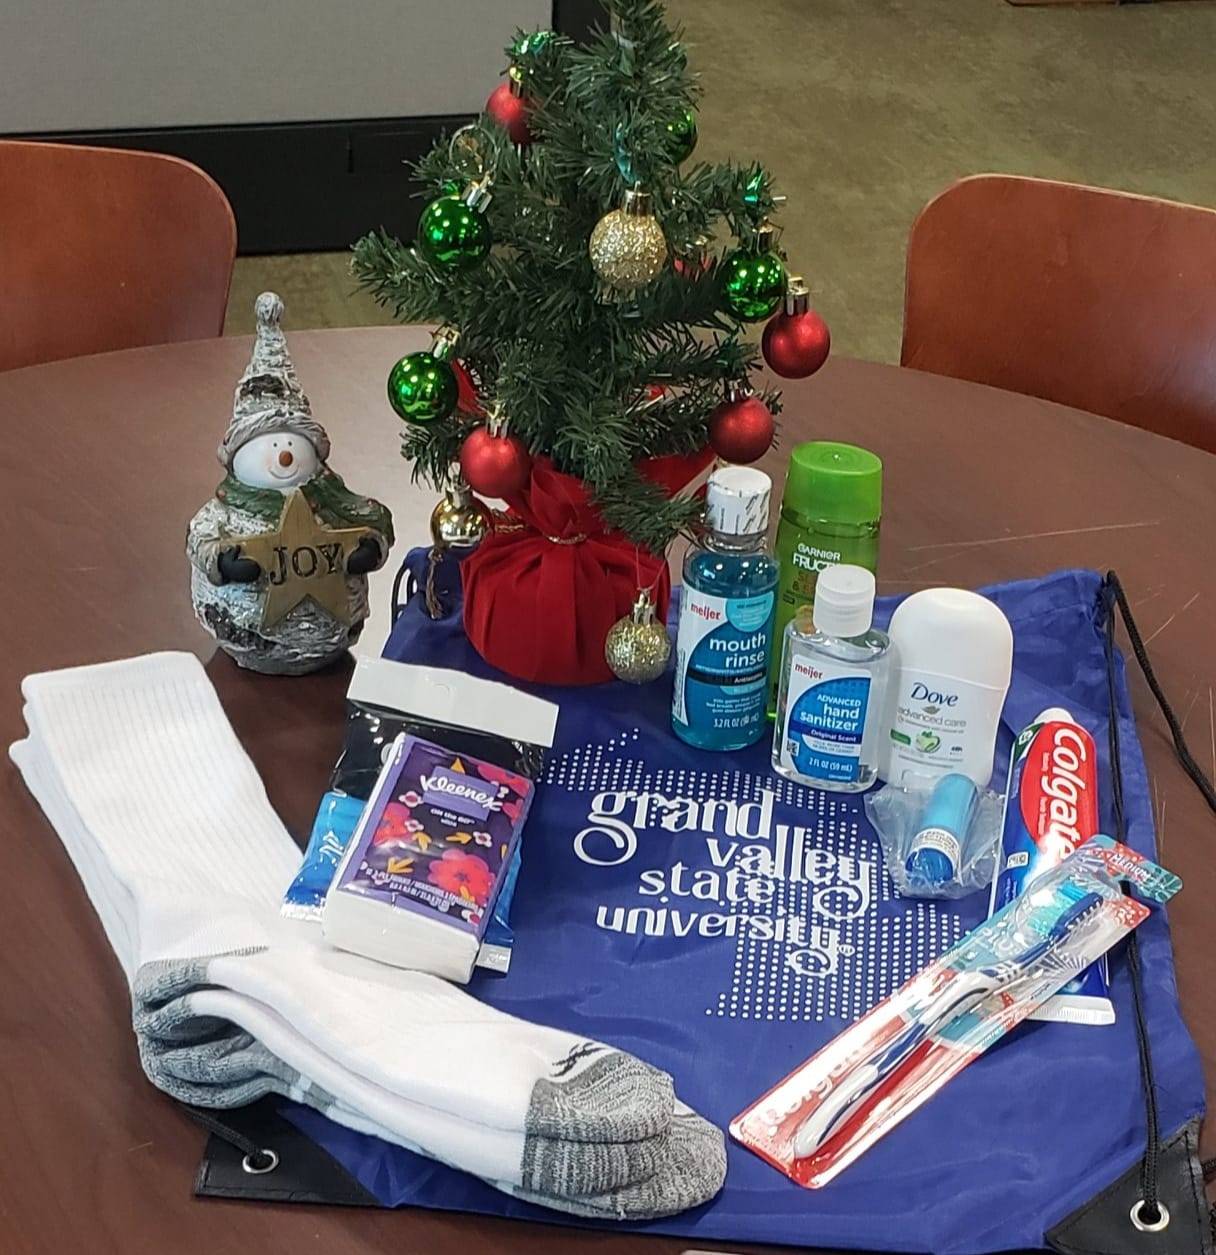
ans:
(167, 823)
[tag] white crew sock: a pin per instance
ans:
(311, 1076)
(169, 827)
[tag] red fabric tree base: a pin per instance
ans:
(541, 593)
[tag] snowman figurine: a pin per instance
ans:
(281, 554)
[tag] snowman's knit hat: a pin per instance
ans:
(269, 397)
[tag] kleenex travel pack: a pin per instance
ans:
(432, 850)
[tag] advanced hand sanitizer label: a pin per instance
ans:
(722, 651)
(825, 721)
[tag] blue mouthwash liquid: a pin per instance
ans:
(727, 608)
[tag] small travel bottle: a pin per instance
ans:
(941, 832)
(833, 686)
(725, 637)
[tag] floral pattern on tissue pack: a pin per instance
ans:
(444, 834)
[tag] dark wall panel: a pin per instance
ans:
(302, 187)
(316, 186)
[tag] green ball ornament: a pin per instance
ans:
(753, 284)
(682, 136)
(422, 389)
(452, 235)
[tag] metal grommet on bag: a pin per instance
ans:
(1145, 1226)
(259, 1162)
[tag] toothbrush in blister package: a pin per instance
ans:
(954, 998)
(840, 1102)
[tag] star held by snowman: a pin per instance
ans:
(302, 558)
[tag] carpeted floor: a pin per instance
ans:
(864, 109)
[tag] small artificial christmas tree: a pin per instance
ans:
(592, 344)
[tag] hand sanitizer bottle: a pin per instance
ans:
(726, 617)
(833, 685)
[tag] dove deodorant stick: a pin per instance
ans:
(953, 657)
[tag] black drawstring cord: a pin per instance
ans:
(1150, 1210)
(404, 576)
(1208, 1168)
(1190, 766)
(257, 1160)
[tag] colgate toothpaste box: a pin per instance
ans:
(1051, 808)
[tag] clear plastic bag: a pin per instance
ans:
(897, 813)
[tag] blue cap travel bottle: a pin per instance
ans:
(936, 849)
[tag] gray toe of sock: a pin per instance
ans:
(691, 1172)
(597, 1094)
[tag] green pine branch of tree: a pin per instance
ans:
(569, 369)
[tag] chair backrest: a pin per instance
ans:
(1097, 299)
(104, 248)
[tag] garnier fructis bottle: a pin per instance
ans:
(830, 515)
(725, 635)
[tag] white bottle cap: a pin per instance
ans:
(736, 501)
(844, 600)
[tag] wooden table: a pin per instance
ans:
(105, 459)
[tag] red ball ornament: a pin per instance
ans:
(495, 465)
(510, 109)
(741, 428)
(796, 340)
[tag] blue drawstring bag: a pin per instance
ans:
(635, 924)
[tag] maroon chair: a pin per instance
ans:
(103, 248)
(1097, 299)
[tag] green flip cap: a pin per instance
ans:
(830, 480)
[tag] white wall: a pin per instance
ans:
(115, 64)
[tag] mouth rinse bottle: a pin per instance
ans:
(725, 636)
(834, 669)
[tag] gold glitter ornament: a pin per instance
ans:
(459, 521)
(628, 247)
(638, 647)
